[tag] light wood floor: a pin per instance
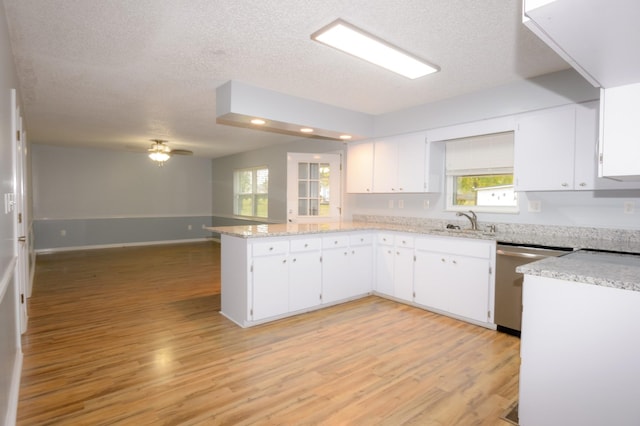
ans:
(133, 336)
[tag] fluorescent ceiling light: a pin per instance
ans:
(344, 36)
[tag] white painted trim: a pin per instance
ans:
(134, 216)
(6, 277)
(102, 246)
(14, 391)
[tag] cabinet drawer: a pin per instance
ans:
(270, 247)
(361, 239)
(404, 241)
(455, 246)
(385, 238)
(306, 244)
(335, 241)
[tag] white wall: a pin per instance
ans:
(10, 352)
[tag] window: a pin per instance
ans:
(479, 173)
(251, 192)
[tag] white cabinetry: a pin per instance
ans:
(403, 267)
(270, 279)
(557, 149)
(579, 356)
(455, 276)
(305, 273)
(620, 132)
(394, 265)
(360, 167)
(385, 257)
(544, 150)
(346, 266)
(400, 164)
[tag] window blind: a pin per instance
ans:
(484, 154)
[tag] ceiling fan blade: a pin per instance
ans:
(181, 152)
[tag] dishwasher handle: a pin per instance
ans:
(521, 255)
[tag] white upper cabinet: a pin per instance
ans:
(360, 167)
(544, 150)
(599, 38)
(620, 132)
(400, 164)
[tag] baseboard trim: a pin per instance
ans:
(14, 392)
(103, 246)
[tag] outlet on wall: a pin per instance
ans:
(426, 204)
(535, 206)
(189, 227)
(629, 207)
(63, 232)
(401, 204)
(390, 204)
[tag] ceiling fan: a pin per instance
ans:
(160, 151)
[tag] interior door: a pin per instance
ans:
(19, 209)
(314, 192)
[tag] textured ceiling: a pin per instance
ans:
(117, 73)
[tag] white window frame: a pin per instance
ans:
(450, 189)
(254, 194)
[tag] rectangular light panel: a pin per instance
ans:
(347, 38)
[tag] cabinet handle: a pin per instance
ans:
(306, 245)
(335, 242)
(353, 252)
(565, 184)
(404, 242)
(294, 260)
(284, 261)
(270, 248)
(400, 189)
(442, 260)
(346, 253)
(454, 262)
(583, 184)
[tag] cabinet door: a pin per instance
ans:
(385, 257)
(620, 132)
(544, 150)
(305, 280)
(431, 280)
(270, 276)
(360, 167)
(469, 287)
(385, 166)
(412, 160)
(335, 285)
(361, 264)
(403, 273)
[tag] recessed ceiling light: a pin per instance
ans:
(345, 137)
(306, 130)
(258, 121)
(347, 38)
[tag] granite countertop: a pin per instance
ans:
(614, 270)
(575, 238)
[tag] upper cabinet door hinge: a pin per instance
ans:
(17, 135)
(19, 217)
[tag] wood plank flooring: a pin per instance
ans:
(133, 336)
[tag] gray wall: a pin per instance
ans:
(10, 352)
(275, 158)
(95, 197)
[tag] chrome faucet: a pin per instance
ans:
(472, 218)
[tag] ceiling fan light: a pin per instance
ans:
(159, 151)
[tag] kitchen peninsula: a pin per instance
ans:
(270, 271)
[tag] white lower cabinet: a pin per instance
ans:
(305, 274)
(385, 258)
(335, 262)
(455, 275)
(346, 266)
(403, 268)
(270, 280)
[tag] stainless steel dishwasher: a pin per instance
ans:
(508, 306)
